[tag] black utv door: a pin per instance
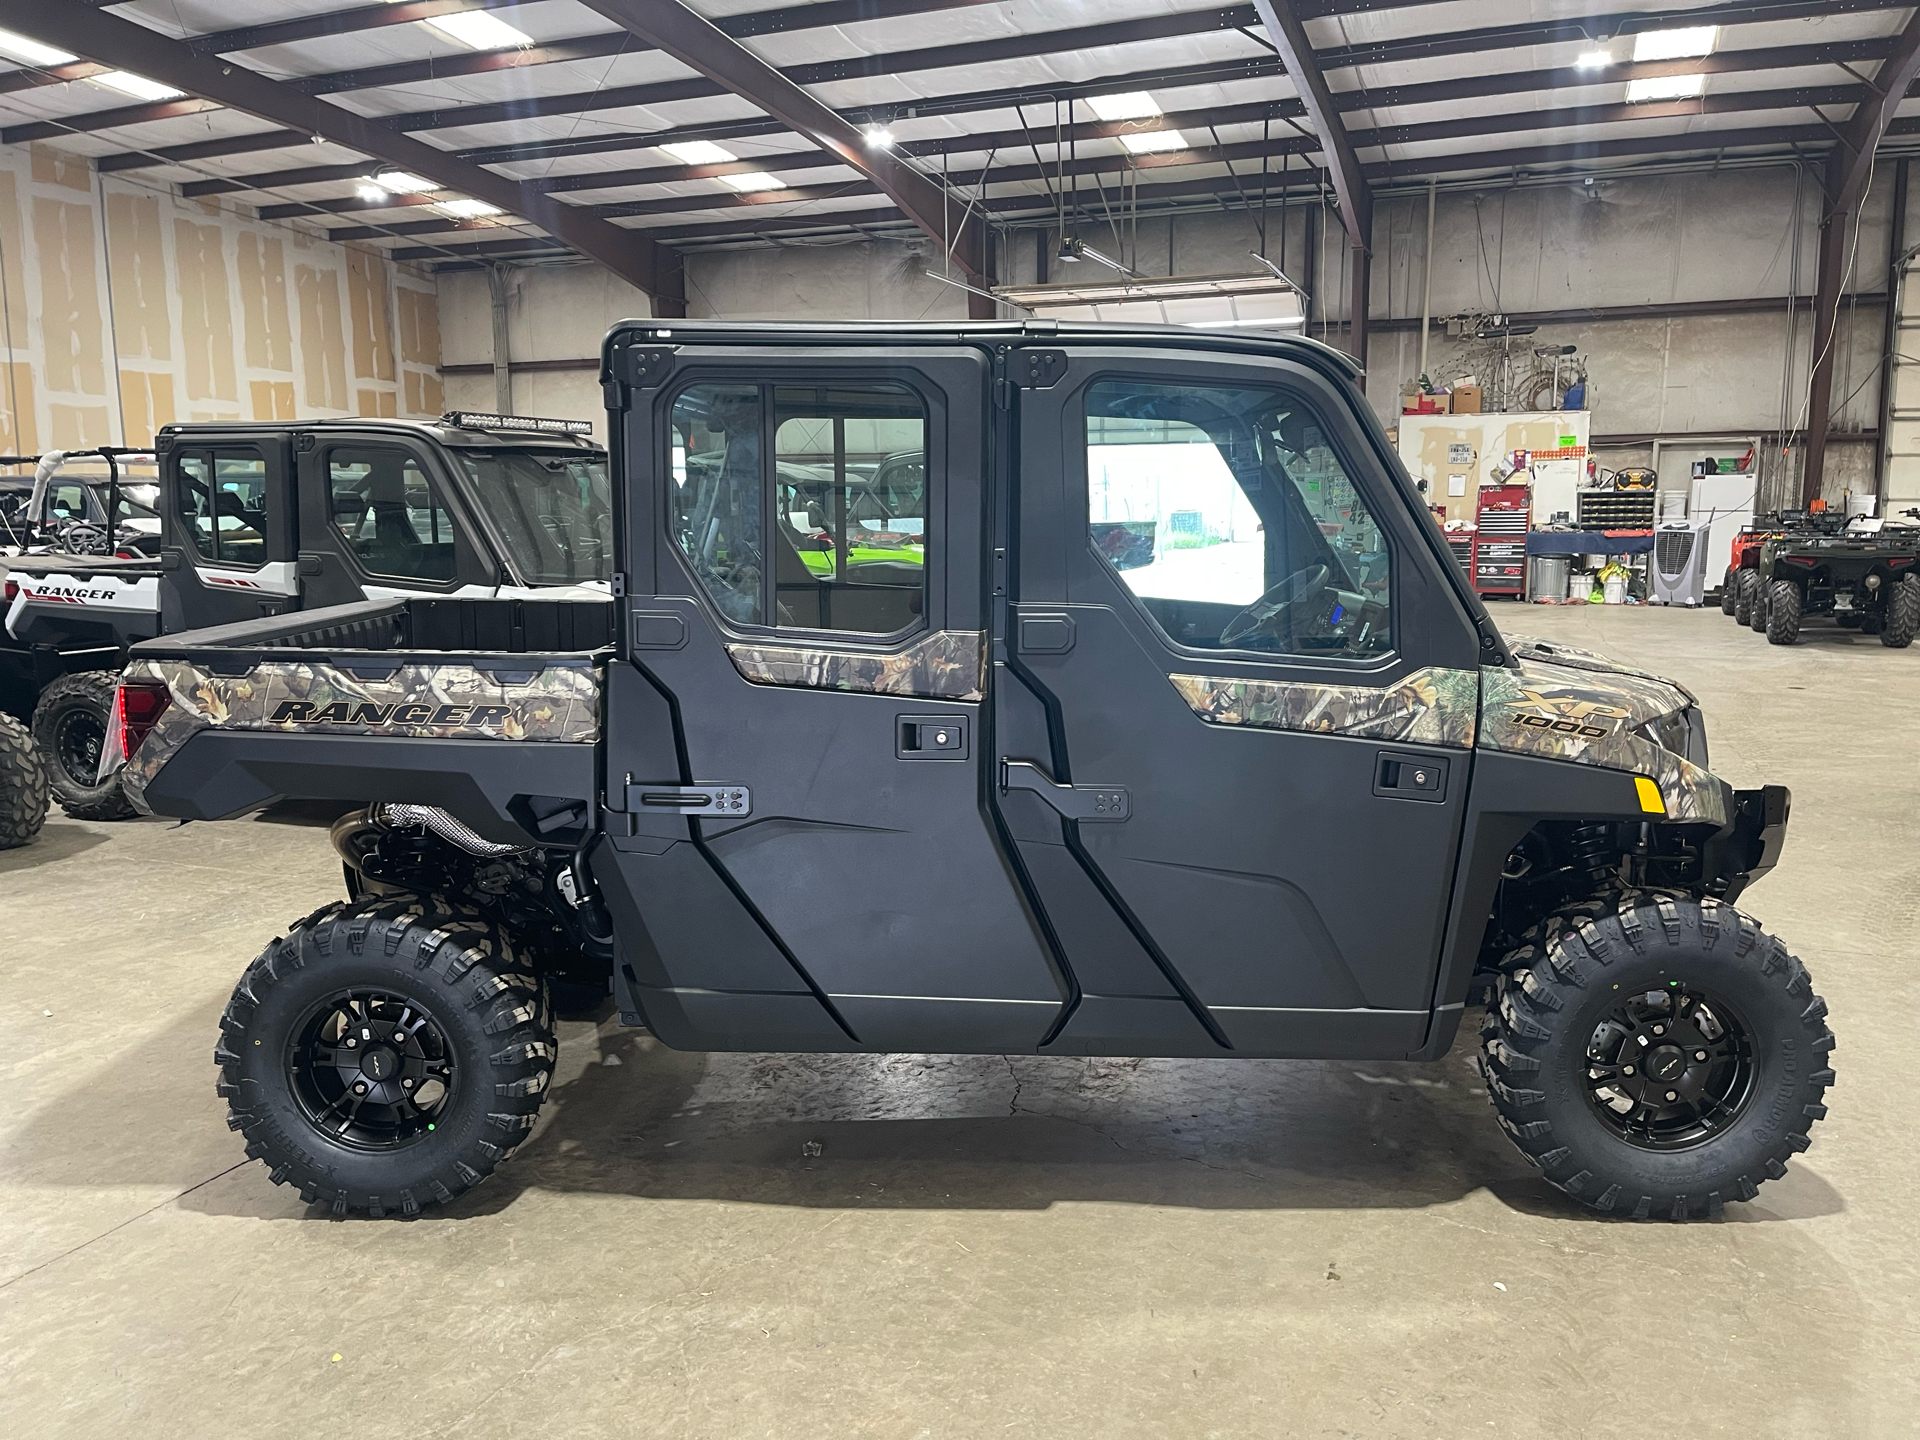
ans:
(227, 528)
(1235, 734)
(796, 767)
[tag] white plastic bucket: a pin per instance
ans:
(1615, 590)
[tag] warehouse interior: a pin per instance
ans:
(1611, 302)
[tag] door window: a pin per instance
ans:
(222, 497)
(826, 528)
(390, 514)
(1227, 512)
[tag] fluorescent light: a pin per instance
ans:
(1675, 44)
(879, 137)
(401, 183)
(1594, 60)
(32, 52)
(138, 86)
(478, 30)
(1667, 87)
(699, 152)
(755, 180)
(1133, 105)
(1146, 142)
(370, 191)
(464, 209)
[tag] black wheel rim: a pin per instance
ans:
(1669, 1069)
(372, 1070)
(77, 740)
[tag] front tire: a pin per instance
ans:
(1752, 611)
(1783, 613)
(1729, 590)
(385, 1055)
(23, 785)
(1659, 1058)
(1903, 614)
(71, 725)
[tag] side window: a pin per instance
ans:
(390, 514)
(222, 497)
(1226, 511)
(67, 500)
(829, 530)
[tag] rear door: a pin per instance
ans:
(1236, 729)
(227, 528)
(806, 643)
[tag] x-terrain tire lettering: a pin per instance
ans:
(1657, 1058)
(385, 1055)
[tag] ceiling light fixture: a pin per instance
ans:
(698, 152)
(755, 180)
(1148, 142)
(401, 183)
(370, 192)
(1675, 44)
(465, 209)
(1594, 60)
(32, 52)
(477, 30)
(138, 86)
(879, 137)
(1131, 105)
(1666, 87)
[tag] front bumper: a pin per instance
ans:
(1749, 845)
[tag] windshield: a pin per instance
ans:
(554, 511)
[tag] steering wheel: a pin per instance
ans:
(1290, 591)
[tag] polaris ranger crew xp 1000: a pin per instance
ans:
(940, 775)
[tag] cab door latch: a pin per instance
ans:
(1075, 802)
(732, 801)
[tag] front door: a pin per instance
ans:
(1237, 709)
(807, 638)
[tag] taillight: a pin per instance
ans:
(1896, 560)
(138, 706)
(13, 589)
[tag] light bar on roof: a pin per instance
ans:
(1666, 87)
(481, 420)
(1132, 105)
(1675, 44)
(1151, 142)
(32, 52)
(1201, 302)
(698, 152)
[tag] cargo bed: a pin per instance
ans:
(487, 708)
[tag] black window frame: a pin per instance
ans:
(766, 382)
(1240, 377)
(437, 484)
(211, 453)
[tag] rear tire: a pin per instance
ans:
(330, 1023)
(1903, 614)
(71, 725)
(1729, 587)
(1555, 1052)
(1783, 613)
(1752, 610)
(23, 785)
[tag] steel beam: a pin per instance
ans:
(694, 41)
(1289, 36)
(1848, 171)
(109, 40)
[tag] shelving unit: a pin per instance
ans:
(1615, 509)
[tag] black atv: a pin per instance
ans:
(1867, 580)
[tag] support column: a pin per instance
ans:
(502, 355)
(1826, 321)
(1358, 294)
(1889, 329)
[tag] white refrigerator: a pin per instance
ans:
(1727, 503)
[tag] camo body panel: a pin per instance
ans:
(1593, 716)
(559, 703)
(946, 665)
(1428, 707)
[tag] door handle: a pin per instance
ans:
(1075, 802)
(732, 801)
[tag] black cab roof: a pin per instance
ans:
(455, 428)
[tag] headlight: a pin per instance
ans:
(1684, 732)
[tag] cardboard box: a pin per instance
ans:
(1466, 399)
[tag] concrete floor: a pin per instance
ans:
(979, 1247)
